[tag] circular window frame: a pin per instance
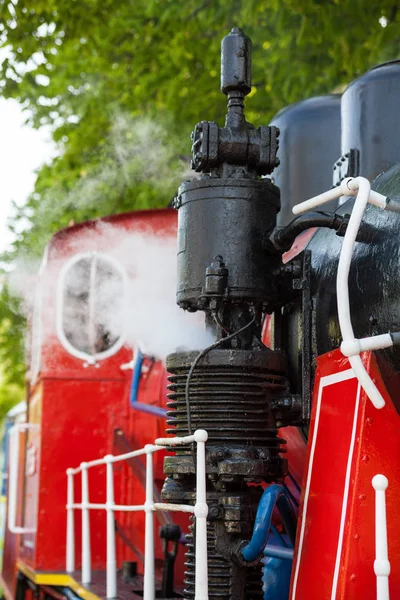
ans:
(90, 359)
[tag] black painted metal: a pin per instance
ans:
(231, 393)
(230, 218)
(309, 144)
(283, 238)
(374, 279)
(228, 268)
(370, 107)
(170, 536)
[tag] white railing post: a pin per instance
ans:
(70, 555)
(201, 512)
(148, 583)
(13, 477)
(86, 566)
(381, 564)
(111, 553)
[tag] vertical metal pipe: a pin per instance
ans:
(111, 551)
(381, 564)
(148, 584)
(70, 553)
(201, 512)
(86, 566)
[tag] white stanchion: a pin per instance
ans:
(201, 512)
(148, 581)
(70, 560)
(86, 564)
(381, 564)
(111, 550)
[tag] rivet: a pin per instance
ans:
(362, 497)
(356, 537)
(365, 458)
(370, 420)
(353, 577)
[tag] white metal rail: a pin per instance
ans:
(14, 475)
(200, 511)
(351, 346)
(381, 564)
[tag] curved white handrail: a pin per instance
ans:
(351, 346)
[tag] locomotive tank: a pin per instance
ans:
(369, 111)
(309, 145)
(369, 108)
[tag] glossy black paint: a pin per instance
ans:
(370, 106)
(230, 218)
(309, 144)
(374, 278)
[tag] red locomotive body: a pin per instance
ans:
(79, 408)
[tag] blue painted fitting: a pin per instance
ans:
(150, 409)
(272, 551)
(136, 375)
(274, 495)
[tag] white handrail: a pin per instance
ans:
(352, 347)
(14, 432)
(381, 564)
(200, 511)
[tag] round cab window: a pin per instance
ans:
(90, 286)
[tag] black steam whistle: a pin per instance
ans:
(226, 214)
(224, 269)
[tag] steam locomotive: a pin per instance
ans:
(278, 472)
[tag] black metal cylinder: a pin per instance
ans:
(309, 144)
(370, 107)
(230, 218)
(236, 62)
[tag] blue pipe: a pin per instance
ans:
(137, 372)
(150, 409)
(274, 495)
(141, 406)
(272, 551)
(276, 572)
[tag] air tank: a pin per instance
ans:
(309, 146)
(370, 109)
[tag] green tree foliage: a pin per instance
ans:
(122, 84)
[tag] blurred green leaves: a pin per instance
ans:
(123, 83)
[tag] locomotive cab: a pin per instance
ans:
(92, 392)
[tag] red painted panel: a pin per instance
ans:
(333, 422)
(335, 546)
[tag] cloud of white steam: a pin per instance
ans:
(146, 313)
(149, 313)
